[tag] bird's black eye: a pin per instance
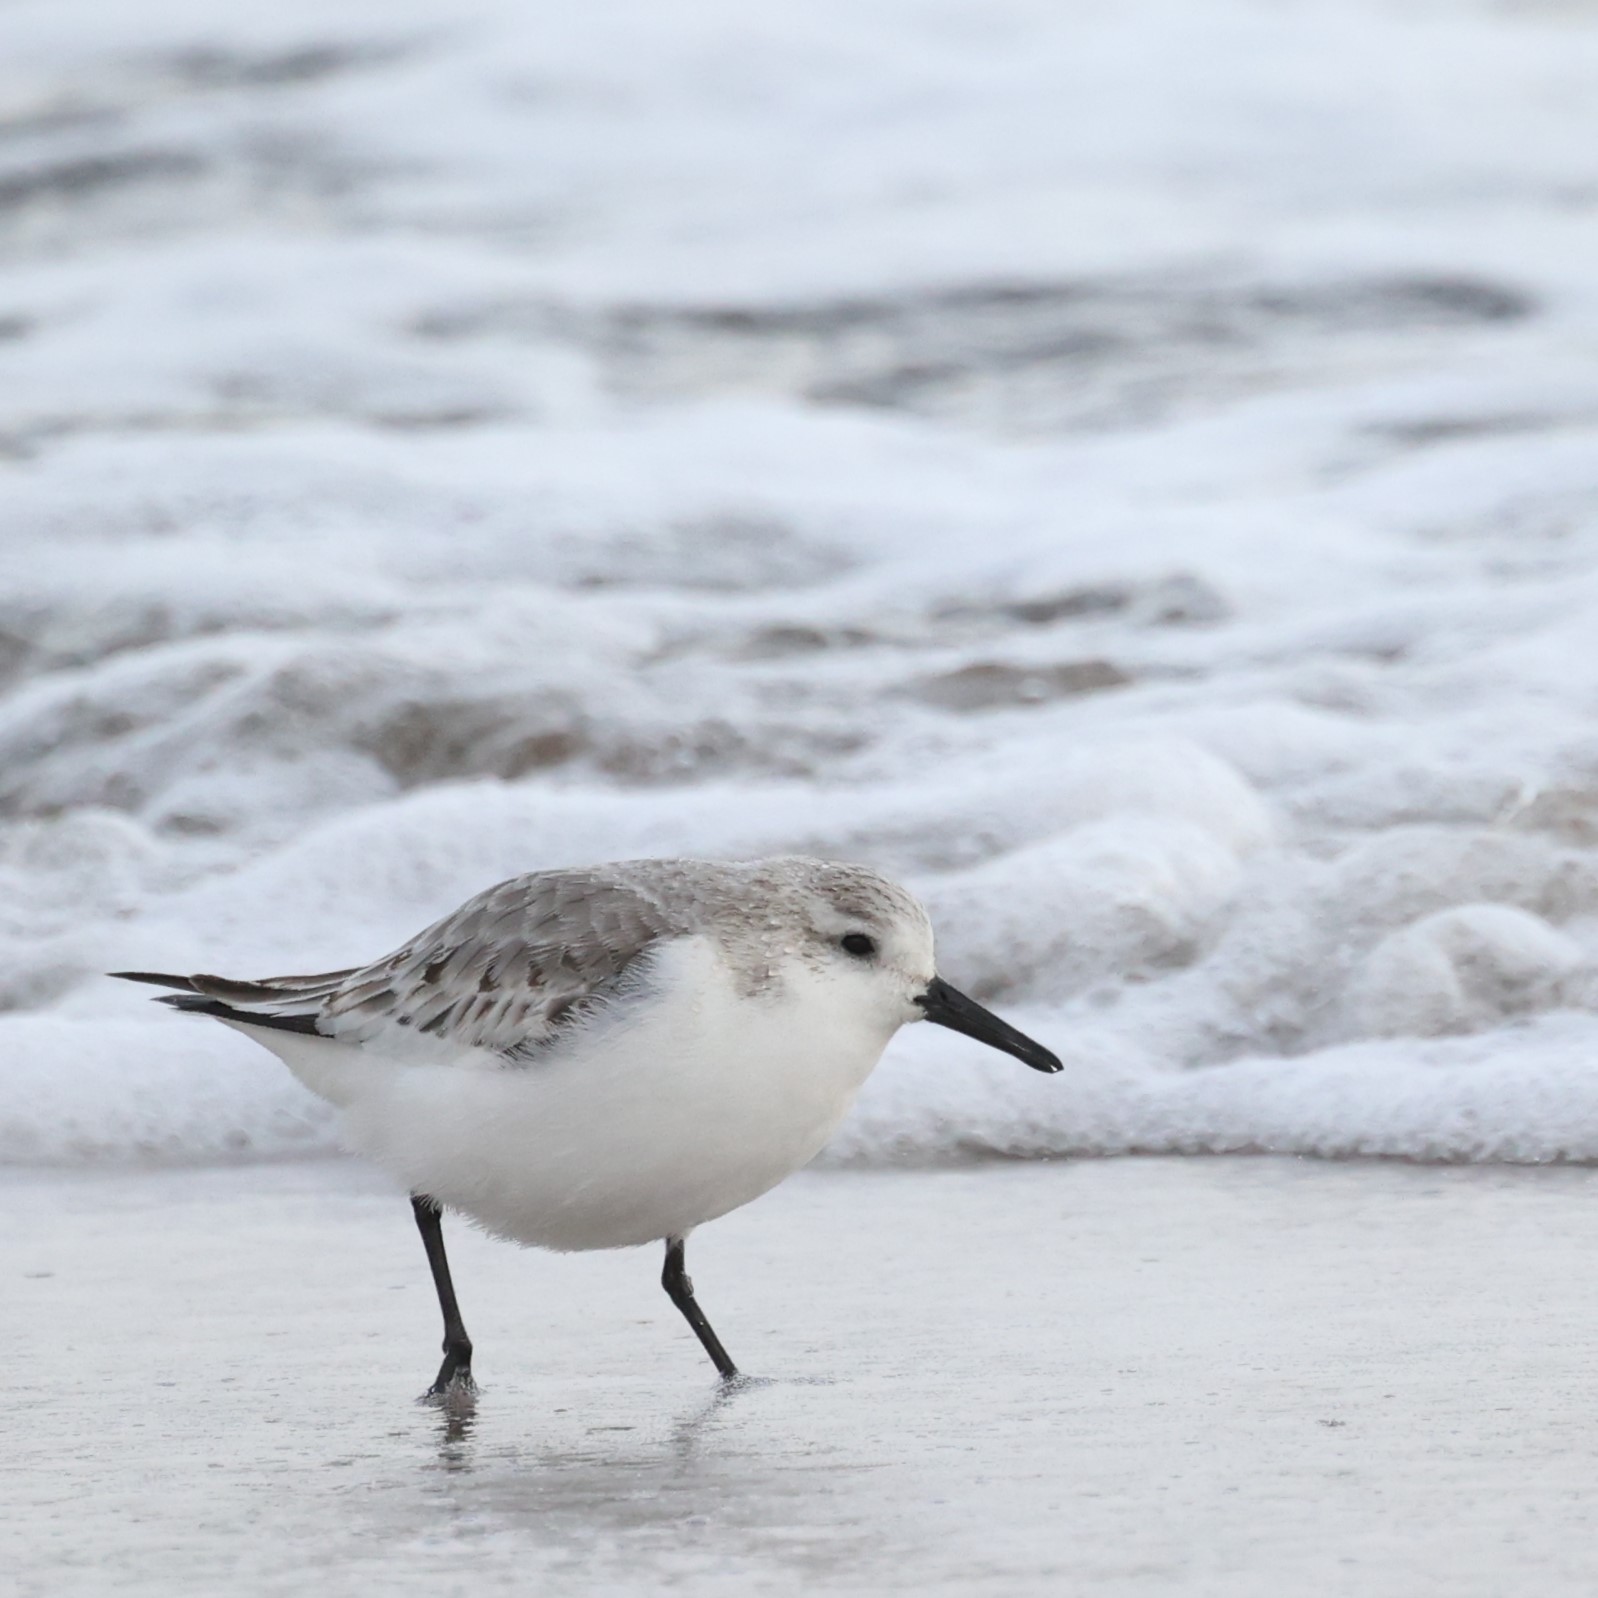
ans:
(858, 944)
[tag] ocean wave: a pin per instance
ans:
(432, 452)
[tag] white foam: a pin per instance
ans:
(1144, 497)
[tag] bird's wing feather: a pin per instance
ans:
(505, 970)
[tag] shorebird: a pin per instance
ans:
(609, 1056)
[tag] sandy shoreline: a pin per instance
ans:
(1157, 1376)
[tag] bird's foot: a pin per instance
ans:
(742, 1382)
(454, 1389)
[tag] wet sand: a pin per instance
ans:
(1132, 1377)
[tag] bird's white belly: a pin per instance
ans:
(649, 1123)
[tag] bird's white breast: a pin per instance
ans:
(669, 1111)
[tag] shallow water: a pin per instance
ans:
(1153, 1376)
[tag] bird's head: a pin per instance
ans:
(874, 941)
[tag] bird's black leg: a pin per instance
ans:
(456, 1370)
(681, 1292)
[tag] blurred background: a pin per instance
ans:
(1129, 469)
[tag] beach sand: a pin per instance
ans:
(1223, 1376)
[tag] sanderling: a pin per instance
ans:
(610, 1056)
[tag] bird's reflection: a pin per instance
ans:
(688, 1432)
(457, 1445)
(457, 1416)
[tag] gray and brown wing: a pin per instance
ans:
(506, 969)
(504, 972)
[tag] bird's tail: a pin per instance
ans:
(283, 1004)
(280, 1013)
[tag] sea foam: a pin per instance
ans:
(1155, 520)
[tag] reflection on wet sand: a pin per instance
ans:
(1117, 1377)
(725, 1475)
(457, 1415)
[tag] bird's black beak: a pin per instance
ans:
(951, 1008)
